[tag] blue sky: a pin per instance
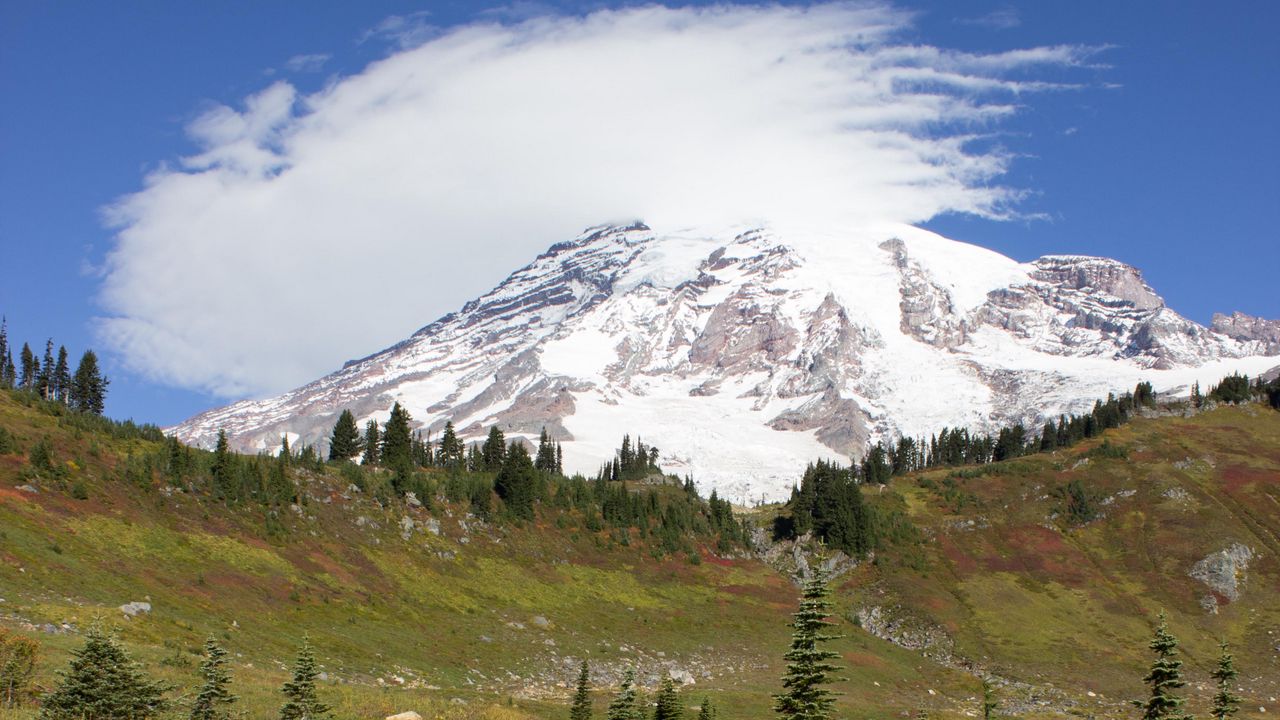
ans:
(1166, 155)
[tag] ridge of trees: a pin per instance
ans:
(51, 380)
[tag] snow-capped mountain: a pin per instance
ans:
(744, 355)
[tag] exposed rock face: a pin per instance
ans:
(742, 356)
(1224, 571)
(1246, 328)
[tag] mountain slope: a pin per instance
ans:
(745, 354)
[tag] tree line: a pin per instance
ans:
(51, 379)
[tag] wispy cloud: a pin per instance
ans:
(1002, 19)
(307, 229)
(406, 31)
(306, 63)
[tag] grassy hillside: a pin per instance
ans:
(455, 617)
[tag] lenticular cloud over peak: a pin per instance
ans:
(306, 229)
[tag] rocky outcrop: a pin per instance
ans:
(1246, 328)
(1223, 572)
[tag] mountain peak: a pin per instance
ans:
(744, 354)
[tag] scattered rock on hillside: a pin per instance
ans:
(1223, 572)
(133, 609)
(410, 715)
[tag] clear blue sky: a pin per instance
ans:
(1175, 167)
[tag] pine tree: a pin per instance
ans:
(1164, 678)
(707, 711)
(103, 683)
(214, 700)
(44, 380)
(545, 460)
(1225, 703)
(581, 708)
(450, 447)
(494, 449)
(220, 470)
(804, 696)
(625, 705)
(515, 480)
(89, 386)
(6, 357)
(301, 701)
(397, 446)
(372, 444)
(30, 367)
(669, 707)
(989, 702)
(61, 376)
(344, 443)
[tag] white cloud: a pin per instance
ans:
(1002, 19)
(310, 229)
(306, 63)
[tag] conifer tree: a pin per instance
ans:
(61, 376)
(344, 443)
(6, 356)
(103, 683)
(450, 447)
(494, 449)
(581, 708)
(545, 460)
(220, 470)
(989, 702)
(1164, 678)
(301, 701)
(515, 480)
(372, 444)
(809, 666)
(669, 707)
(625, 705)
(397, 446)
(214, 700)
(8, 372)
(89, 386)
(44, 380)
(1225, 703)
(707, 711)
(30, 367)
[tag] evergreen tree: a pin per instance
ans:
(372, 444)
(1225, 703)
(1164, 678)
(625, 705)
(61, 376)
(1197, 398)
(450, 447)
(581, 709)
(809, 667)
(89, 386)
(397, 446)
(669, 707)
(515, 481)
(30, 367)
(44, 380)
(103, 683)
(494, 449)
(546, 457)
(989, 702)
(221, 469)
(707, 711)
(214, 700)
(7, 373)
(344, 443)
(301, 701)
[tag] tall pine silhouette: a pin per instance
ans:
(809, 669)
